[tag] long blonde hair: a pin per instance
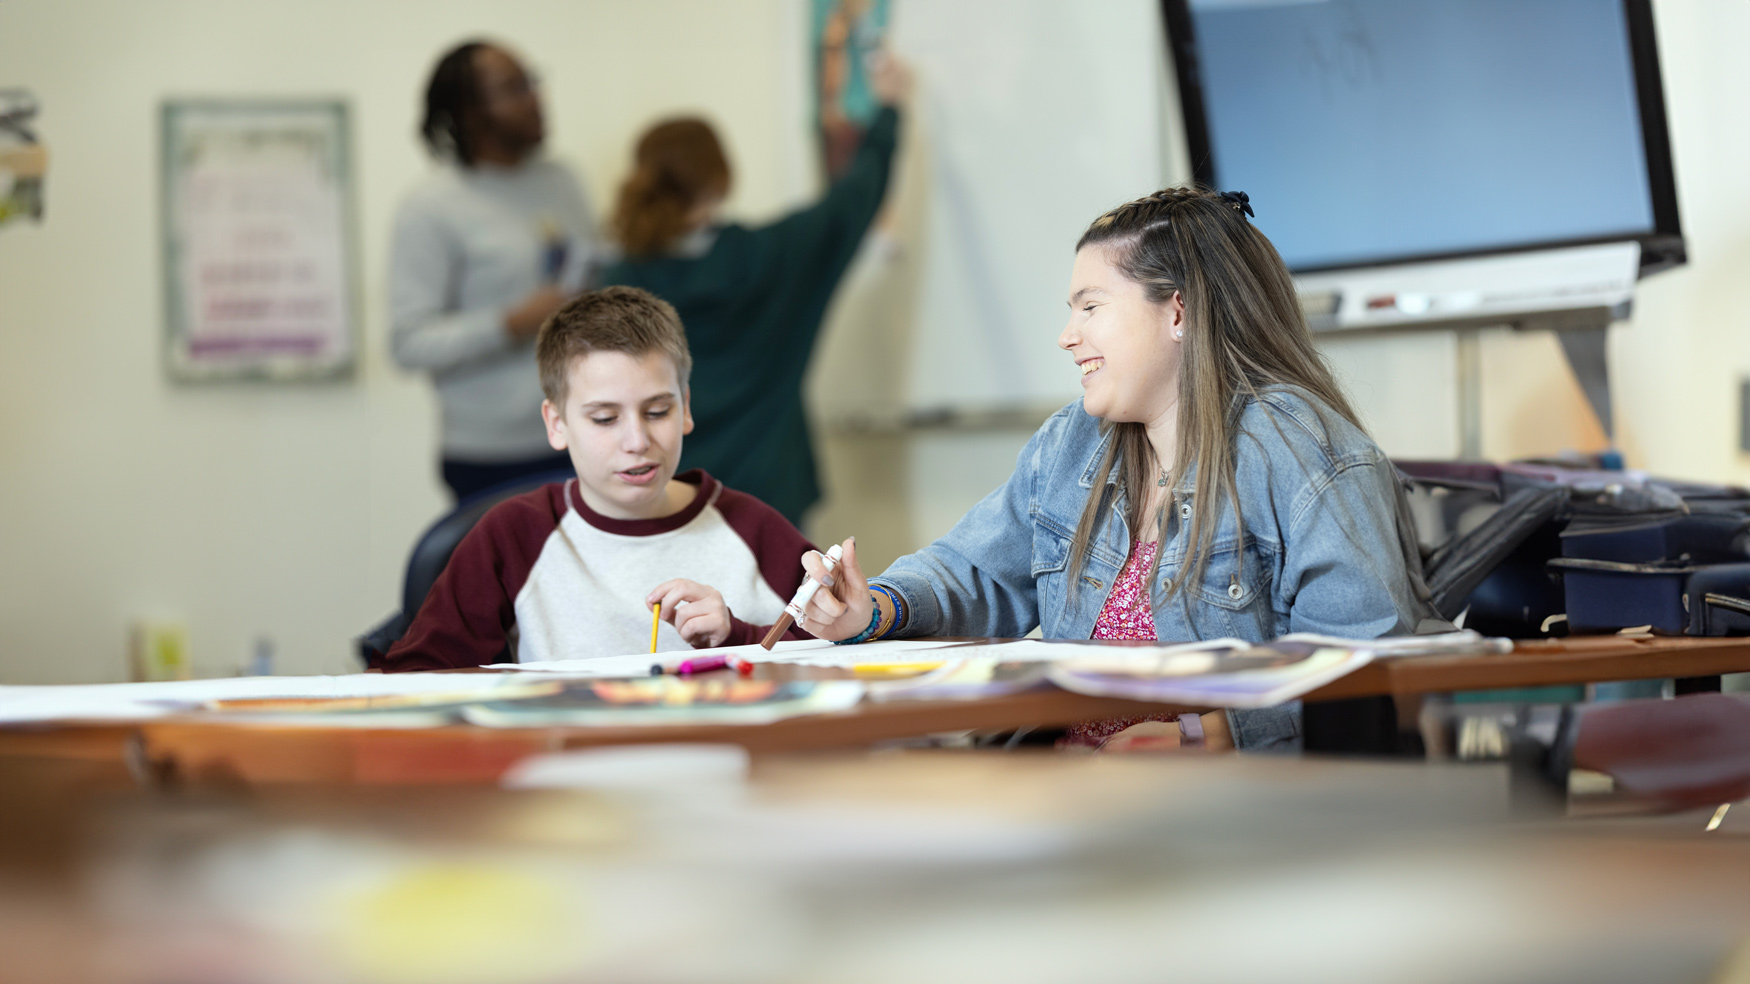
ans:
(1244, 331)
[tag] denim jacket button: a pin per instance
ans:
(1234, 591)
(1166, 584)
(1185, 511)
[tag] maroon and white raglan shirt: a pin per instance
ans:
(571, 582)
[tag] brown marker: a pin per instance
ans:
(804, 594)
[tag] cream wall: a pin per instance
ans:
(1678, 362)
(284, 511)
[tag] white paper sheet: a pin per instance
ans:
(143, 701)
(638, 664)
(1246, 688)
(886, 651)
(1462, 642)
(816, 652)
(808, 652)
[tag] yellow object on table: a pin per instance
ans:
(888, 669)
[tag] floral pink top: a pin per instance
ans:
(1127, 614)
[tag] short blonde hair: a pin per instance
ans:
(613, 319)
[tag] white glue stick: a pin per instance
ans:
(805, 593)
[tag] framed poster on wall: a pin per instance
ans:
(257, 245)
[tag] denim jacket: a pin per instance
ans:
(1328, 545)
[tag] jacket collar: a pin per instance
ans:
(1092, 468)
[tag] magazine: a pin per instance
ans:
(1239, 675)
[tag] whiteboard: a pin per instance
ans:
(1035, 116)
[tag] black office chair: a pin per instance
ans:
(431, 554)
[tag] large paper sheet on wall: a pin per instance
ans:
(1036, 116)
(256, 252)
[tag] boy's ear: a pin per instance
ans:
(686, 409)
(555, 425)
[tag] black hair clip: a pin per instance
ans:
(1240, 201)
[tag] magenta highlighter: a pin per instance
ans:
(686, 667)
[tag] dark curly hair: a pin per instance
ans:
(454, 89)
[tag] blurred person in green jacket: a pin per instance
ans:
(752, 299)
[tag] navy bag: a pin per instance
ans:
(1605, 549)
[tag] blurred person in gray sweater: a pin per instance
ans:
(489, 245)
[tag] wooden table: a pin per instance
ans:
(919, 866)
(204, 753)
(1547, 662)
(207, 753)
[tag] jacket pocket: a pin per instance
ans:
(1234, 579)
(1050, 558)
(1050, 551)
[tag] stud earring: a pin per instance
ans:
(1179, 334)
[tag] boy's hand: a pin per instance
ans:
(697, 610)
(842, 607)
(524, 321)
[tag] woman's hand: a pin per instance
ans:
(842, 607)
(890, 79)
(704, 622)
(1163, 736)
(1146, 736)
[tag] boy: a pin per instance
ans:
(572, 569)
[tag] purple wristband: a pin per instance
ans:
(1191, 730)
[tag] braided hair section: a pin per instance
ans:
(452, 91)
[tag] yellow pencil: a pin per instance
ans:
(655, 620)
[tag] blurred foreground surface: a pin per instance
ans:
(914, 866)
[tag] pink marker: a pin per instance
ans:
(687, 667)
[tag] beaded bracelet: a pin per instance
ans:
(867, 633)
(898, 607)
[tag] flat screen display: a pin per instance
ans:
(1378, 131)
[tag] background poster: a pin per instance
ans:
(23, 159)
(257, 264)
(846, 33)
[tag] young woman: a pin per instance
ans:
(1212, 481)
(752, 299)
